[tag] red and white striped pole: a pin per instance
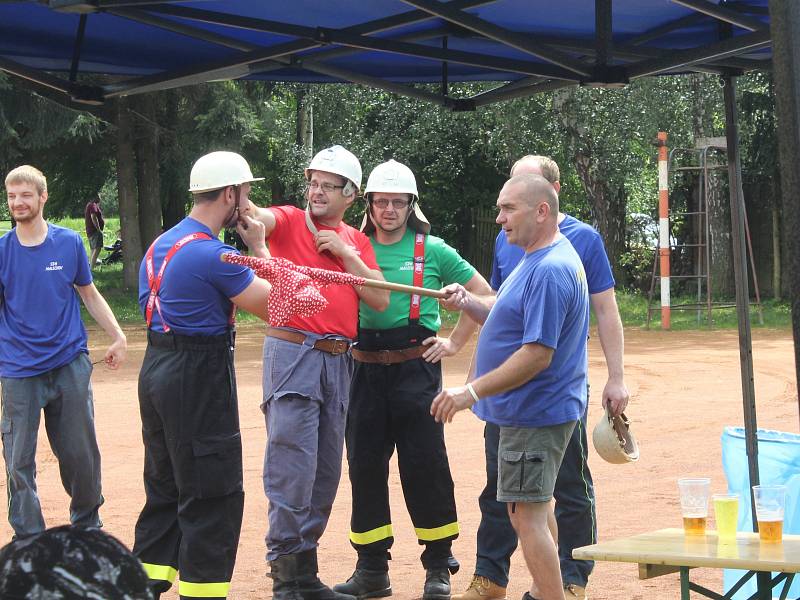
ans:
(663, 226)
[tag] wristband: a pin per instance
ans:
(472, 392)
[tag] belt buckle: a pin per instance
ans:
(340, 347)
(384, 357)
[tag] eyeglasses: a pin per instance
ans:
(326, 187)
(397, 203)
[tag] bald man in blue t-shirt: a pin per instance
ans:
(574, 490)
(531, 367)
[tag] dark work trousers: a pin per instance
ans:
(575, 513)
(192, 466)
(390, 407)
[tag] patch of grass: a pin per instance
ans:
(633, 311)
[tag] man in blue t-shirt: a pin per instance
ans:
(194, 499)
(531, 367)
(44, 357)
(574, 491)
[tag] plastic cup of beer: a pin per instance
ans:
(769, 500)
(694, 504)
(726, 513)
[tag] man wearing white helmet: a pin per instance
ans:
(192, 516)
(307, 372)
(397, 374)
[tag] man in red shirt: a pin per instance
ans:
(307, 372)
(93, 219)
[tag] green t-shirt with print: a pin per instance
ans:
(443, 266)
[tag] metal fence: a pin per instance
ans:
(484, 232)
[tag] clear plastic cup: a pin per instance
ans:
(694, 495)
(769, 501)
(726, 514)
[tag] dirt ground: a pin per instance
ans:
(685, 387)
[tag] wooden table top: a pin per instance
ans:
(671, 547)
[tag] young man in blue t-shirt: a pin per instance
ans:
(531, 367)
(44, 362)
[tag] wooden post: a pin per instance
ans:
(664, 248)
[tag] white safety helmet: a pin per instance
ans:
(394, 177)
(217, 170)
(613, 440)
(339, 161)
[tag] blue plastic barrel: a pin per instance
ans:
(778, 463)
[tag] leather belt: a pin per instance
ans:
(329, 345)
(388, 357)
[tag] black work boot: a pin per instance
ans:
(437, 584)
(283, 571)
(308, 584)
(364, 583)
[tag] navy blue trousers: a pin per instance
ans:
(575, 513)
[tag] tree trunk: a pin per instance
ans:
(608, 203)
(305, 123)
(776, 238)
(147, 174)
(126, 190)
(718, 206)
(173, 180)
(719, 219)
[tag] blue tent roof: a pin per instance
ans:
(146, 45)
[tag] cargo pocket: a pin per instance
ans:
(522, 473)
(5, 430)
(217, 465)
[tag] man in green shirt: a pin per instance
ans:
(397, 375)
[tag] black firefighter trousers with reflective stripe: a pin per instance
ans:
(390, 407)
(192, 517)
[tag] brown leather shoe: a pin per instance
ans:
(481, 588)
(575, 592)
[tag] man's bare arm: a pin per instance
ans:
(477, 306)
(522, 366)
(262, 214)
(255, 298)
(329, 241)
(101, 312)
(465, 327)
(612, 340)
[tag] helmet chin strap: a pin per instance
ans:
(235, 209)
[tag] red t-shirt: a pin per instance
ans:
(92, 208)
(291, 239)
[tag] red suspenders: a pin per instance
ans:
(154, 281)
(419, 268)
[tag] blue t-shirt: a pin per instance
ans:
(544, 300)
(40, 318)
(197, 286)
(584, 238)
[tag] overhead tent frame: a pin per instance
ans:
(467, 47)
(532, 61)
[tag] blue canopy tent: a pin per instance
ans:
(84, 53)
(144, 45)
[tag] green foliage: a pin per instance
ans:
(71, 148)
(633, 311)
(460, 159)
